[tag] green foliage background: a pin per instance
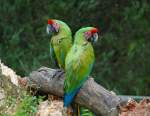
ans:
(122, 53)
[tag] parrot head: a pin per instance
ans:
(57, 27)
(90, 34)
(52, 27)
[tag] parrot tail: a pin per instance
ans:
(68, 97)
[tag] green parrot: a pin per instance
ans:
(79, 62)
(60, 42)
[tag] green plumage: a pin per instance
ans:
(60, 44)
(78, 65)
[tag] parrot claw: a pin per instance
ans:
(58, 73)
(67, 111)
(64, 112)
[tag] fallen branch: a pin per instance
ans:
(91, 95)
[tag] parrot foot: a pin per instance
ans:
(67, 111)
(64, 112)
(58, 73)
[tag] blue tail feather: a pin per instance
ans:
(68, 97)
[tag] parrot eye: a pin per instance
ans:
(56, 27)
(88, 35)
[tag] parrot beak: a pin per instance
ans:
(94, 37)
(52, 28)
(49, 29)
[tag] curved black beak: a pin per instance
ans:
(94, 38)
(50, 29)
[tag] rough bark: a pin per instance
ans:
(91, 95)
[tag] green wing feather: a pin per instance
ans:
(79, 63)
(53, 56)
(60, 44)
(61, 48)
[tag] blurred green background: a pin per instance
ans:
(122, 53)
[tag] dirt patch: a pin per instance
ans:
(133, 108)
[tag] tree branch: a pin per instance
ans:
(91, 95)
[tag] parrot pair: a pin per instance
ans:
(76, 58)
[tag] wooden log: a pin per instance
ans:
(91, 95)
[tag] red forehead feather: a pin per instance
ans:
(94, 30)
(50, 21)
